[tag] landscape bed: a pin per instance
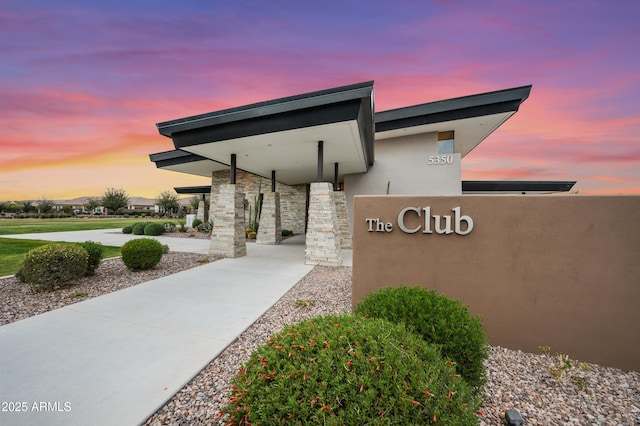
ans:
(515, 380)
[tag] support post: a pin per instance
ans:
(323, 243)
(228, 235)
(320, 160)
(335, 177)
(233, 169)
(273, 181)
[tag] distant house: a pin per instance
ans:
(137, 205)
(77, 206)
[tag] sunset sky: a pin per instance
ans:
(82, 83)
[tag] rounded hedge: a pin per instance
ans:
(138, 228)
(141, 253)
(438, 320)
(153, 229)
(53, 266)
(95, 252)
(127, 229)
(195, 223)
(348, 370)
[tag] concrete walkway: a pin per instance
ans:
(116, 359)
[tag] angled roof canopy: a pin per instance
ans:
(472, 118)
(283, 134)
(280, 135)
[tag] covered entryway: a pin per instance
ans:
(314, 138)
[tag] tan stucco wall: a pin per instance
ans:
(403, 161)
(562, 271)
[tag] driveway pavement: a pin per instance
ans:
(116, 359)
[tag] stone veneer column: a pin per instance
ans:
(200, 214)
(344, 230)
(323, 241)
(228, 236)
(270, 230)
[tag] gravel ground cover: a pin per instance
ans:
(587, 395)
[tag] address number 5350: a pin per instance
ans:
(440, 160)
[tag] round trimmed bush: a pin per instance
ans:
(439, 320)
(141, 253)
(138, 228)
(53, 266)
(153, 229)
(170, 227)
(348, 370)
(95, 252)
(127, 229)
(195, 223)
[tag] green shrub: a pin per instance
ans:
(349, 370)
(206, 226)
(52, 266)
(439, 320)
(195, 223)
(153, 229)
(127, 229)
(95, 252)
(138, 228)
(141, 253)
(286, 232)
(169, 227)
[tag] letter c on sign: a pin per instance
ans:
(401, 220)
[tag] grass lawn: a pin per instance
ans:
(13, 250)
(33, 226)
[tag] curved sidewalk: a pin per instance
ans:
(117, 358)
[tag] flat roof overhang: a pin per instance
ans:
(196, 190)
(515, 187)
(184, 162)
(468, 187)
(472, 118)
(280, 135)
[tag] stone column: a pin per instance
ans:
(344, 230)
(322, 239)
(270, 230)
(228, 236)
(200, 214)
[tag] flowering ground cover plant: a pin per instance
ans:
(349, 370)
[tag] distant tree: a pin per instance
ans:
(27, 206)
(114, 200)
(14, 207)
(92, 204)
(4, 206)
(168, 202)
(194, 202)
(45, 205)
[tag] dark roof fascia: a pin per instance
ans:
(271, 107)
(501, 101)
(353, 102)
(206, 189)
(175, 157)
(516, 186)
